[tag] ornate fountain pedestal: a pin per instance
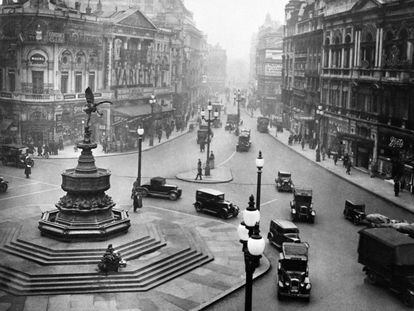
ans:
(85, 212)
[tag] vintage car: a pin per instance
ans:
(231, 122)
(301, 208)
(278, 123)
(13, 155)
(244, 142)
(354, 212)
(212, 201)
(281, 231)
(377, 220)
(202, 134)
(3, 184)
(293, 271)
(159, 188)
(263, 124)
(284, 181)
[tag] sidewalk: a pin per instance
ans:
(217, 175)
(69, 153)
(359, 177)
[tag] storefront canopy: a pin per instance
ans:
(138, 111)
(354, 137)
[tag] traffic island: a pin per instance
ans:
(217, 175)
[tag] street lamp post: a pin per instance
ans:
(253, 247)
(140, 132)
(259, 165)
(237, 99)
(319, 114)
(152, 102)
(209, 120)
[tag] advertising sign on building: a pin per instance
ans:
(272, 69)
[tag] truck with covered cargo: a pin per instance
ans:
(388, 259)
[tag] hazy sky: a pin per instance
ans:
(231, 23)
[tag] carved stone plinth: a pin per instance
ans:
(85, 212)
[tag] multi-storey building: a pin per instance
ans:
(216, 67)
(53, 52)
(269, 67)
(302, 45)
(367, 83)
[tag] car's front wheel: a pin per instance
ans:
(172, 196)
(3, 187)
(224, 214)
(197, 206)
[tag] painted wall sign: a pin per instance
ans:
(37, 59)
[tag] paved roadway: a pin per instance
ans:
(337, 278)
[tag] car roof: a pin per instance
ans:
(303, 191)
(295, 249)
(284, 173)
(211, 191)
(286, 224)
(158, 178)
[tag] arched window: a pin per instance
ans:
(347, 51)
(367, 51)
(326, 56)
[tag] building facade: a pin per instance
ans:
(367, 84)
(216, 68)
(269, 67)
(302, 46)
(53, 52)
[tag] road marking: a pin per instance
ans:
(23, 178)
(14, 187)
(268, 202)
(228, 159)
(24, 195)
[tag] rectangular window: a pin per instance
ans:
(37, 82)
(344, 99)
(78, 82)
(92, 80)
(1, 79)
(12, 80)
(64, 80)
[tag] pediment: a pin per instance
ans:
(365, 5)
(136, 19)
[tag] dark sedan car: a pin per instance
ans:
(281, 231)
(212, 201)
(159, 187)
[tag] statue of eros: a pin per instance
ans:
(89, 108)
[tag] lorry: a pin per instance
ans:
(231, 122)
(263, 124)
(388, 259)
(293, 271)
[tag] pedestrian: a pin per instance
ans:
(348, 166)
(199, 170)
(202, 145)
(303, 144)
(137, 201)
(39, 150)
(211, 159)
(335, 158)
(346, 160)
(396, 186)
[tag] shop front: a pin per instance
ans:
(360, 148)
(396, 155)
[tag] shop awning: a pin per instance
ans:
(354, 137)
(134, 112)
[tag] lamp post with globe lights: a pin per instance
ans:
(259, 165)
(209, 120)
(253, 246)
(140, 132)
(237, 98)
(152, 102)
(319, 114)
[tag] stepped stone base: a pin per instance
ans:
(69, 228)
(156, 252)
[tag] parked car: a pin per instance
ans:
(13, 155)
(213, 201)
(284, 181)
(354, 212)
(293, 271)
(302, 207)
(159, 187)
(281, 231)
(3, 184)
(244, 142)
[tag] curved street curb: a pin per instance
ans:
(192, 173)
(120, 153)
(264, 262)
(342, 177)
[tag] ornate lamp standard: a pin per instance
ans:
(259, 165)
(209, 120)
(238, 99)
(152, 102)
(319, 115)
(140, 132)
(253, 247)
